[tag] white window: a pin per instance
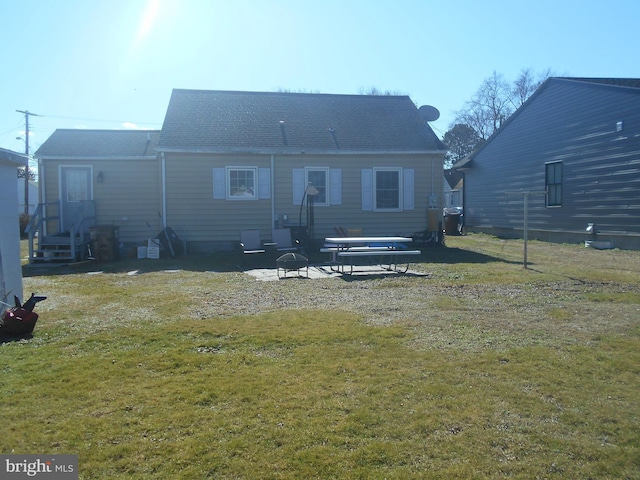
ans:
(390, 189)
(319, 178)
(241, 183)
(387, 191)
(328, 182)
(77, 186)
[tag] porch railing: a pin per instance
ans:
(53, 243)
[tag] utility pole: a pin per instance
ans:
(26, 113)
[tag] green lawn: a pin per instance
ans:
(480, 369)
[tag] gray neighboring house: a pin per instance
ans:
(453, 187)
(575, 145)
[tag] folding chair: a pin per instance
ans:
(250, 241)
(282, 239)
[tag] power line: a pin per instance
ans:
(12, 130)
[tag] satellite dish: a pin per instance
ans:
(429, 113)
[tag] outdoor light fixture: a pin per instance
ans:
(100, 177)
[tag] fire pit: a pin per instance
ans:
(290, 262)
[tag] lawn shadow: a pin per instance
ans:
(235, 261)
(451, 255)
(4, 338)
(357, 276)
(216, 262)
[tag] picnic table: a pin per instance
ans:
(381, 247)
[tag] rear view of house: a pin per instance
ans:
(575, 147)
(237, 160)
(228, 161)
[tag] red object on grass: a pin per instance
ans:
(18, 321)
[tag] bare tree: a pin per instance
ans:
(527, 83)
(489, 107)
(377, 91)
(497, 99)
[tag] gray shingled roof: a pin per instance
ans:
(618, 82)
(79, 143)
(224, 121)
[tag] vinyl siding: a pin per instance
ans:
(195, 215)
(575, 124)
(131, 195)
(349, 213)
(10, 269)
(192, 210)
(128, 198)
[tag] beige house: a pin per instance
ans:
(227, 161)
(113, 174)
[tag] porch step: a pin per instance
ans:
(55, 240)
(57, 248)
(52, 255)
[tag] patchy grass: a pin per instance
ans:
(481, 370)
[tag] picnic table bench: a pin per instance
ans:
(391, 248)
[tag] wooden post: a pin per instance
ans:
(525, 233)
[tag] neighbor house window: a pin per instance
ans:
(553, 182)
(387, 188)
(241, 183)
(319, 178)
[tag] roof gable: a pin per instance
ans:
(628, 85)
(80, 143)
(208, 121)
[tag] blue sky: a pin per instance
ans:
(113, 63)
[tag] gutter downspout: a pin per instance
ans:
(163, 189)
(42, 194)
(273, 193)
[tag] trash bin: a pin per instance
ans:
(105, 242)
(452, 221)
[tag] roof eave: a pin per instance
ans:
(464, 164)
(13, 157)
(88, 158)
(296, 151)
